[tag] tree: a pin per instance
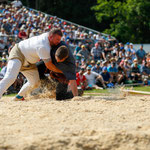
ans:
(129, 20)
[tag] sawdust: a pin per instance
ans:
(46, 90)
(93, 123)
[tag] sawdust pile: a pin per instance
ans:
(46, 90)
(92, 123)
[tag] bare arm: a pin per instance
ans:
(73, 86)
(52, 67)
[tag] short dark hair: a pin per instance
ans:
(62, 52)
(55, 31)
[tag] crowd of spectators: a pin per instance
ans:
(101, 61)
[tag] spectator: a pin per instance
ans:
(97, 53)
(33, 33)
(81, 79)
(77, 49)
(6, 25)
(22, 34)
(16, 3)
(148, 58)
(145, 70)
(135, 72)
(94, 79)
(83, 53)
(97, 68)
(106, 76)
(141, 54)
(77, 66)
(92, 63)
(112, 69)
(83, 63)
(127, 68)
(121, 73)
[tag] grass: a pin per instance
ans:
(137, 88)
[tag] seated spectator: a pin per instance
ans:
(127, 47)
(115, 51)
(106, 76)
(33, 33)
(127, 68)
(122, 53)
(22, 34)
(77, 66)
(81, 79)
(112, 69)
(4, 68)
(97, 68)
(83, 63)
(135, 72)
(6, 26)
(135, 61)
(4, 56)
(77, 49)
(94, 79)
(107, 49)
(92, 63)
(121, 73)
(148, 58)
(141, 54)
(145, 70)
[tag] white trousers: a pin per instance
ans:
(13, 69)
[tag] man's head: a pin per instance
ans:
(89, 69)
(54, 36)
(82, 71)
(96, 45)
(61, 53)
(104, 69)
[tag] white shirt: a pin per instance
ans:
(36, 48)
(16, 3)
(91, 77)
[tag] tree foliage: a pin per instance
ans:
(129, 20)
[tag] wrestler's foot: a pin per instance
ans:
(18, 98)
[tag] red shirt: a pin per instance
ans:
(80, 78)
(22, 35)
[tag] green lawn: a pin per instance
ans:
(107, 91)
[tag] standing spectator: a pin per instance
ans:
(97, 52)
(141, 54)
(83, 53)
(16, 3)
